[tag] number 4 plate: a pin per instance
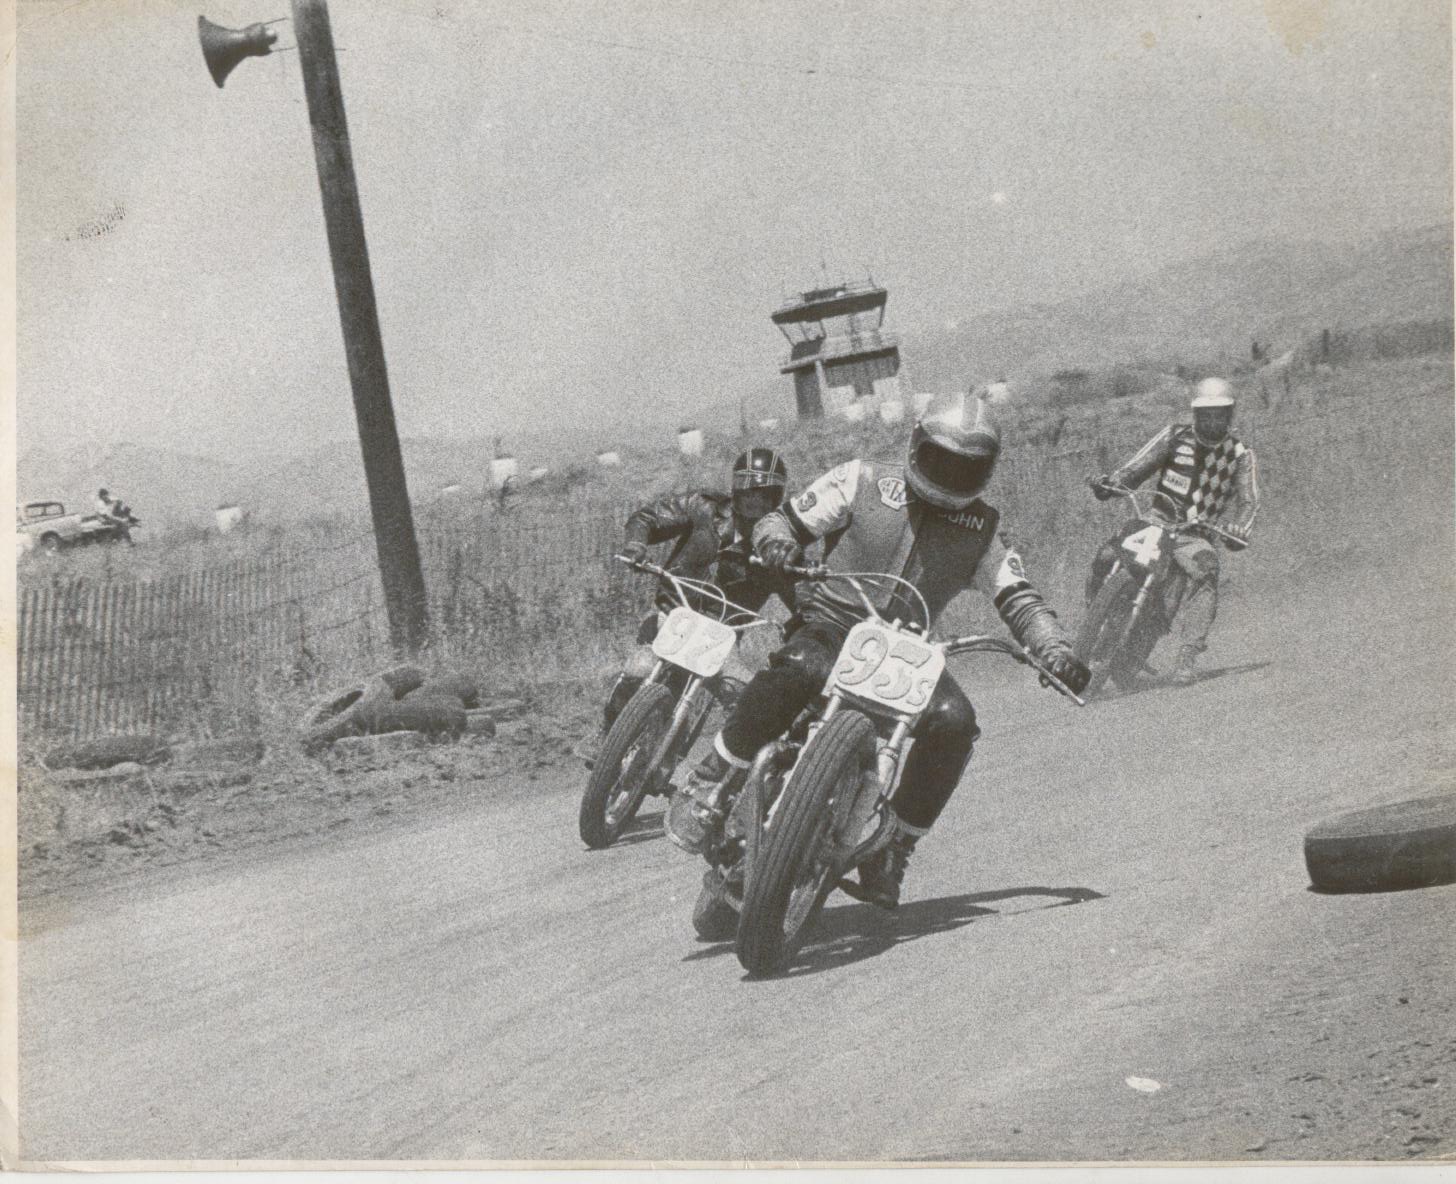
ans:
(1143, 546)
(697, 643)
(893, 669)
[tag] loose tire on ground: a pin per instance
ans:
(105, 751)
(436, 715)
(343, 713)
(452, 684)
(1409, 844)
(831, 763)
(714, 919)
(403, 679)
(1101, 637)
(613, 794)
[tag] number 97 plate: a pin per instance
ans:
(697, 643)
(893, 669)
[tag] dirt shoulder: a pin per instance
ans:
(83, 832)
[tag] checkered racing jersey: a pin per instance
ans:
(1200, 479)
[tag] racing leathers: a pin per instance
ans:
(869, 521)
(708, 544)
(1199, 483)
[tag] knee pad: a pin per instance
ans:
(800, 666)
(1205, 564)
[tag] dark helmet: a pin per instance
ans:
(103, 493)
(952, 451)
(760, 479)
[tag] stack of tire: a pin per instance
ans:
(400, 699)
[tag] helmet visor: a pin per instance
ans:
(951, 471)
(1213, 423)
(753, 503)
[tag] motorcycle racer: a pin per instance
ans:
(923, 520)
(1202, 471)
(712, 537)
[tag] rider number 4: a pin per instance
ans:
(888, 668)
(1143, 546)
(697, 643)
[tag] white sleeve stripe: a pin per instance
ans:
(1253, 487)
(1147, 448)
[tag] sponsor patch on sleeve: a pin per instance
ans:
(806, 500)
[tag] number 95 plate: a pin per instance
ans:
(895, 670)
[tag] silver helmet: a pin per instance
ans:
(952, 451)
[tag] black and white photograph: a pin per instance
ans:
(639, 585)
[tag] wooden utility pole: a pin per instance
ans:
(389, 504)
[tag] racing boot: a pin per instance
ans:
(1183, 673)
(881, 876)
(694, 817)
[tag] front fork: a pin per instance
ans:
(692, 705)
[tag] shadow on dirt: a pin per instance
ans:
(1164, 682)
(853, 932)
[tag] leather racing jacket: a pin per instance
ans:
(1201, 480)
(870, 521)
(706, 546)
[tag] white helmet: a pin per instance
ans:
(953, 449)
(1212, 392)
(1213, 410)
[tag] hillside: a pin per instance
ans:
(1201, 312)
(1204, 310)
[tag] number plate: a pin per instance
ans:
(1143, 546)
(893, 669)
(697, 643)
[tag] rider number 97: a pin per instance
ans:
(888, 667)
(697, 643)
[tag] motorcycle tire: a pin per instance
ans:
(789, 883)
(614, 792)
(1138, 647)
(1101, 641)
(714, 919)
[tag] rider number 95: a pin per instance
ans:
(888, 667)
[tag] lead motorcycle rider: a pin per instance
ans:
(924, 521)
(712, 533)
(1199, 469)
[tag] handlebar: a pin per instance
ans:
(733, 615)
(986, 643)
(1174, 526)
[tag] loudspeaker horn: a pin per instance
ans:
(224, 48)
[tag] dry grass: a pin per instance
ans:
(525, 598)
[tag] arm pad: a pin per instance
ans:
(1032, 621)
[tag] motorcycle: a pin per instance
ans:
(1140, 598)
(816, 803)
(663, 719)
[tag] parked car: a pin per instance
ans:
(45, 524)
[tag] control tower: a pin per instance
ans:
(838, 350)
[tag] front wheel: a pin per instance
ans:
(620, 774)
(794, 873)
(1102, 639)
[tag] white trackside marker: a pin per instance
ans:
(1145, 1085)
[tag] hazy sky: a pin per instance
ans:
(587, 210)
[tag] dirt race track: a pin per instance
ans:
(1116, 895)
